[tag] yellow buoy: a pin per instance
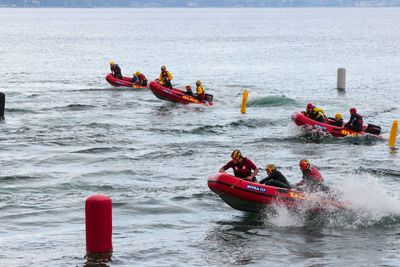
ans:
(244, 101)
(393, 135)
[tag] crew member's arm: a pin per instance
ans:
(300, 183)
(226, 166)
(252, 167)
(251, 177)
(268, 178)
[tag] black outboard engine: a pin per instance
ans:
(373, 129)
(209, 98)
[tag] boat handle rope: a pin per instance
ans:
(230, 187)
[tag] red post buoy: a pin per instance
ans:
(98, 211)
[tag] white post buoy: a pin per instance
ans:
(341, 78)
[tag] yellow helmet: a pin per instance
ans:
(112, 63)
(137, 73)
(198, 82)
(236, 154)
(270, 168)
(163, 68)
(338, 116)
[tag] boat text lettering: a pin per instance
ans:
(190, 98)
(296, 195)
(256, 188)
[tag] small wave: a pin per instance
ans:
(71, 107)
(171, 153)
(78, 107)
(377, 113)
(273, 140)
(207, 129)
(86, 187)
(252, 123)
(96, 150)
(98, 125)
(51, 81)
(34, 96)
(241, 86)
(271, 101)
(219, 128)
(378, 171)
(91, 90)
(20, 110)
(9, 178)
(126, 172)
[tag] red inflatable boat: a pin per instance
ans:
(302, 120)
(249, 196)
(126, 82)
(178, 96)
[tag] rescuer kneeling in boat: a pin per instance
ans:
(312, 180)
(242, 166)
(115, 70)
(139, 79)
(188, 90)
(275, 177)
(165, 77)
(200, 93)
(314, 113)
(356, 121)
(338, 120)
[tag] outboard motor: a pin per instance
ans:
(209, 98)
(373, 129)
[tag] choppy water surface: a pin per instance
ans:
(68, 134)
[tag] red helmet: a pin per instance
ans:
(304, 164)
(310, 106)
(353, 110)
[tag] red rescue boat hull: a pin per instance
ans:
(125, 82)
(249, 196)
(302, 120)
(175, 95)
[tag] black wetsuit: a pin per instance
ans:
(116, 71)
(338, 123)
(134, 79)
(355, 123)
(189, 92)
(276, 179)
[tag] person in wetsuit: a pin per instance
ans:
(338, 120)
(188, 90)
(242, 167)
(165, 77)
(356, 121)
(140, 79)
(275, 177)
(314, 113)
(312, 179)
(115, 70)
